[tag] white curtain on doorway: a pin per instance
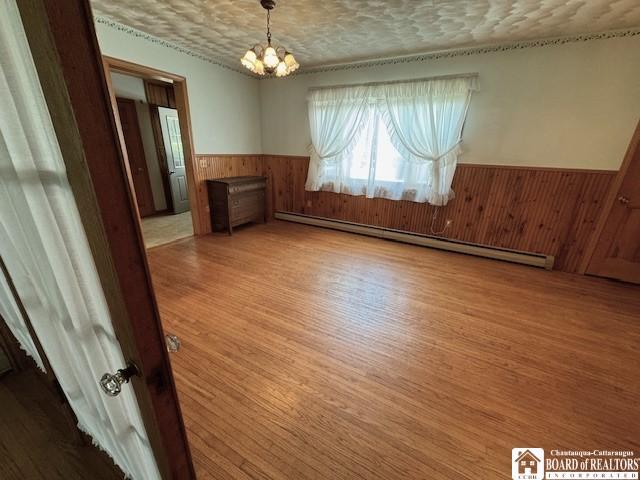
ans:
(44, 246)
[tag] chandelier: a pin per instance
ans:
(268, 60)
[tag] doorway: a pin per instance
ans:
(153, 120)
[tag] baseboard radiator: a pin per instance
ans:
(514, 256)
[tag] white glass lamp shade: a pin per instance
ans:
(249, 60)
(291, 63)
(282, 70)
(259, 67)
(271, 59)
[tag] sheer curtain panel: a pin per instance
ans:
(43, 244)
(401, 143)
(13, 318)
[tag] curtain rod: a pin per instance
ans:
(391, 82)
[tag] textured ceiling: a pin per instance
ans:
(341, 31)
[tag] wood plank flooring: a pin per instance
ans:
(36, 441)
(313, 354)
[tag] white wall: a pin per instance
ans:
(572, 106)
(224, 104)
(126, 86)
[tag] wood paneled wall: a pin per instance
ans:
(160, 94)
(220, 166)
(542, 210)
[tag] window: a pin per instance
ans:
(397, 141)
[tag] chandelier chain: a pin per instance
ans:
(269, 26)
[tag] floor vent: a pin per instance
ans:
(515, 256)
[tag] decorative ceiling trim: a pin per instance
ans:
(164, 43)
(449, 53)
(468, 51)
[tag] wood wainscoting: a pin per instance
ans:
(209, 167)
(541, 210)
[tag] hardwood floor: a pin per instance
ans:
(36, 442)
(308, 353)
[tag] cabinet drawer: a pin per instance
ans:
(246, 205)
(247, 198)
(246, 187)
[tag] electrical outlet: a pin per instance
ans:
(309, 204)
(203, 163)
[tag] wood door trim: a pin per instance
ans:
(609, 201)
(161, 155)
(141, 71)
(184, 117)
(67, 57)
(138, 133)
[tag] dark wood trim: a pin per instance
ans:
(464, 164)
(542, 169)
(184, 118)
(67, 56)
(27, 322)
(161, 154)
(145, 173)
(17, 357)
(166, 96)
(609, 201)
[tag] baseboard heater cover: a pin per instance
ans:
(514, 256)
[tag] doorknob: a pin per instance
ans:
(111, 383)
(623, 200)
(171, 173)
(172, 342)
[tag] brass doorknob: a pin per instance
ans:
(623, 200)
(111, 383)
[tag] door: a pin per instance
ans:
(617, 253)
(70, 72)
(175, 158)
(135, 153)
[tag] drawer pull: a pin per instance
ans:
(236, 203)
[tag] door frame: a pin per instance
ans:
(65, 51)
(145, 173)
(112, 64)
(609, 201)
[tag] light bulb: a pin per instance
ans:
(282, 70)
(249, 60)
(259, 67)
(270, 57)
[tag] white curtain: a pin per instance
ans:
(13, 318)
(44, 246)
(404, 145)
(335, 120)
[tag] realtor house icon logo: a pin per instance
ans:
(527, 464)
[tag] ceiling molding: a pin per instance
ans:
(468, 51)
(174, 46)
(435, 55)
